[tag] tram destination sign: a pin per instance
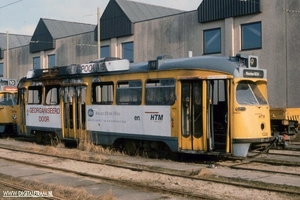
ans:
(253, 73)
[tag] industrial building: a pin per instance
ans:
(140, 32)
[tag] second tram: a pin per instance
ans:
(8, 106)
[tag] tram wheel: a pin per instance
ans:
(54, 140)
(130, 147)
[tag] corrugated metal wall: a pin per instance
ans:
(41, 39)
(211, 10)
(114, 23)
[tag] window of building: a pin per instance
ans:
(251, 36)
(127, 49)
(35, 95)
(103, 93)
(129, 92)
(212, 41)
(36, 63)
(1, 69)
(51, 61)
(105, 51)
(160, 92)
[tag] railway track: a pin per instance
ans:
(133, 184)
(244, 166)
(293, 153)
(145, 169)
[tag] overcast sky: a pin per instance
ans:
(22, 16)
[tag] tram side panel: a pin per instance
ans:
(39, 115)
(109, 123)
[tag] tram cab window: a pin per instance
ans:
(160, 92)
(52, 95)
(129, 92)
(103, 93)
(9, 99)
(247, 93)
(35, 95)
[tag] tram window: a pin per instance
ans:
(129, 92)
(103, 93)
(219, 91)
(8, 99)
(52, 95)
(35, 95)
(247, 93)
(160, 92)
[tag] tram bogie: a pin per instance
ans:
(199, 105)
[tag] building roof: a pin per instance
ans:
(48, 30)
(137, 12)
(14, 40)
(119, 17)
(60, 29)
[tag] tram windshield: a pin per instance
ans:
(247, 93)
(9, 99)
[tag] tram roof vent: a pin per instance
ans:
(249, 61)
(154, 64)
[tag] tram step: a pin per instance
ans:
(220, 146)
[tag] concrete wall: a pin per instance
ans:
(71, 50)
(292, 34)
(76, 49)
(20, 61)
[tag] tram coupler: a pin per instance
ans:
(281, 141)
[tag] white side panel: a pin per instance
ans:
(145, 120)
(43, 116)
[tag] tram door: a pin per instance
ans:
(22, 114)
(191, 115)
(217, 125)
(74, 109)
(204, 115)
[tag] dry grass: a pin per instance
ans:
(90, 147)
(204, 173)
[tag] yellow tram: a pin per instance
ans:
(8, 106)
(198, 105)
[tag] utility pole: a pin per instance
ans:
(98, 35)
(7, 55)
